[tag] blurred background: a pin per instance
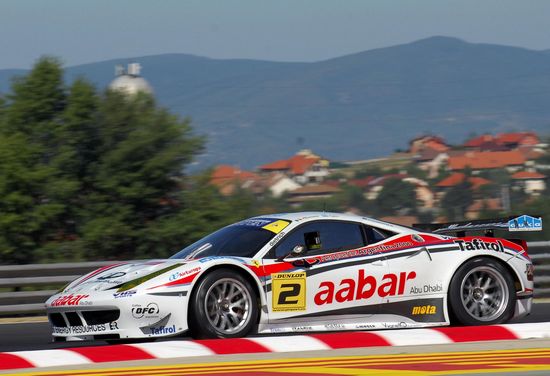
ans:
(130, 129)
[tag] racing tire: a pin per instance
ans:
(223, 305)
(482, 293)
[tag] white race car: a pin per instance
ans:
(304, 272)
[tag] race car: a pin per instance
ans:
(304, 272)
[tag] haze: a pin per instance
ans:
(283, 30)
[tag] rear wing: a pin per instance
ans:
(514, 223)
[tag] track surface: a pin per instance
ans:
(36, 336)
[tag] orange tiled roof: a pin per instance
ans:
(528, 175)
(478, 141)
(458, 177)
(225, 173)
(431, 142)
(486, 159)
(518, 137)
(297, 164)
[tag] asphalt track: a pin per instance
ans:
(36, 335)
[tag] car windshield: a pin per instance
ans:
(241, 239)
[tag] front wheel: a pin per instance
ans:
(482, 293)
(224, 305)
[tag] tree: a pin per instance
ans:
(396, 197)
(33, 198)
(137, 177)
(457, 199)
(84, 175)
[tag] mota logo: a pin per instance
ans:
(424, 310)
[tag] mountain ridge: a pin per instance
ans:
(356, 106)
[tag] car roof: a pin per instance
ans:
(313, 215)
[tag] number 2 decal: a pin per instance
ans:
(289, 291)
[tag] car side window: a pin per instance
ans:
(322, 237)
(374, 234)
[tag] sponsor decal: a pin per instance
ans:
(69, 300)
(184, 273)
(111, 277)
(426, 289)
(363, 287)
(389, 247)
(424, 310)
(80, 329)
(124, 294)
(289, 291)
(303, 328)
(392, 325)
(273, 225)
(150, 311)
(334, 326)
(113, 325)
(525, 223)
(258, 222)
(277, 237)
(364, 251)
(478, 244)
(211, 258)
(365, 326)
(163, 330)
(277, 226)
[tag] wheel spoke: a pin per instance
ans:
(227, 305)
(484, 293)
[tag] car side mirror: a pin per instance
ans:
(298, 250)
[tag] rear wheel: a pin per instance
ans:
(224, 305)
(482, 292)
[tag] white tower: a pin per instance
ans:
(129, 81)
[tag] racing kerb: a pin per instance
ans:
(272, 344)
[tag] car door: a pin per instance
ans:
(423, 298)
(337, 274)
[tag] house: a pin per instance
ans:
(518, 139)
(304, 167)
(502, 141)
(311, 192)
(229, 178)
(423, 193)
(478, 206)
(457, 178)
(485, 142)
(431, 161)
(279, 183)
(532, 183)
(485, 160)
(428, 142)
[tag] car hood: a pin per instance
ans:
(113, 276)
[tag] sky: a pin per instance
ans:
(282, 30)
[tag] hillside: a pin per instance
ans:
(352, 107)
